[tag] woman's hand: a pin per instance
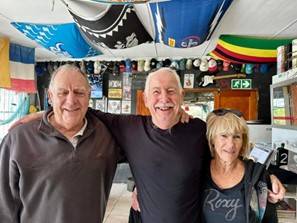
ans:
(278, 191)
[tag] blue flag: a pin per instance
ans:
(64, 40)
(187, 23)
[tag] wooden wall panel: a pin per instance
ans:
(141, 109)
(244, 100)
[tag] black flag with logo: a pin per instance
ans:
(118, 28)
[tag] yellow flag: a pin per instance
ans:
(4, 63)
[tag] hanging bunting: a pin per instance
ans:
(187, 23)
(64, 40)
(245, 50)
(118, 27)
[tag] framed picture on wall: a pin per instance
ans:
(114, 84)
(127, 79)
(114, 106)
(96, 86)
(189, 80)
(100, 105)
(115, 93)
(126, 107)
(127, 93)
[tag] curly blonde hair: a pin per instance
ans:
(228, 123)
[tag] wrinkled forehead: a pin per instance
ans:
(70, 80)
(163, 80)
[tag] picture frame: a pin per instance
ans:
(189, 80)
(114, 106)
(115, 93)
(126, 107)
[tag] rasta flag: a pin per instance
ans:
(245, 50)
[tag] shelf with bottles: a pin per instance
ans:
(284, 103)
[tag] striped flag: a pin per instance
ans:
(4, 63)
(245, 50)
(22, 75)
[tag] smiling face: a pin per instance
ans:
(163, 96)
(69, 94)
(228, 136)
(227, 147)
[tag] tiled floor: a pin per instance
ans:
(119, 204)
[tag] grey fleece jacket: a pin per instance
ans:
(43, 178)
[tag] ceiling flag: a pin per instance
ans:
(187, 23)
(118, 27)
(64, 40)
(247, 50)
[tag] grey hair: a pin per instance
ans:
(68, 67)
(163, 69)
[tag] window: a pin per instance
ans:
(14, 105)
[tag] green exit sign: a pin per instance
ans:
(241, 83)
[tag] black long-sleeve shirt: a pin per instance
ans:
(168, 165)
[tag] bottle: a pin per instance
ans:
(282, 155)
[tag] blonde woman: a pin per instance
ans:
(236, 187)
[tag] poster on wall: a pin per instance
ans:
(115, 93)
(100, 105)
(126, 107)
(114, 106)
(127, 93)
(127, 79)
(189, 81)
(114, 84)
(96, 91)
